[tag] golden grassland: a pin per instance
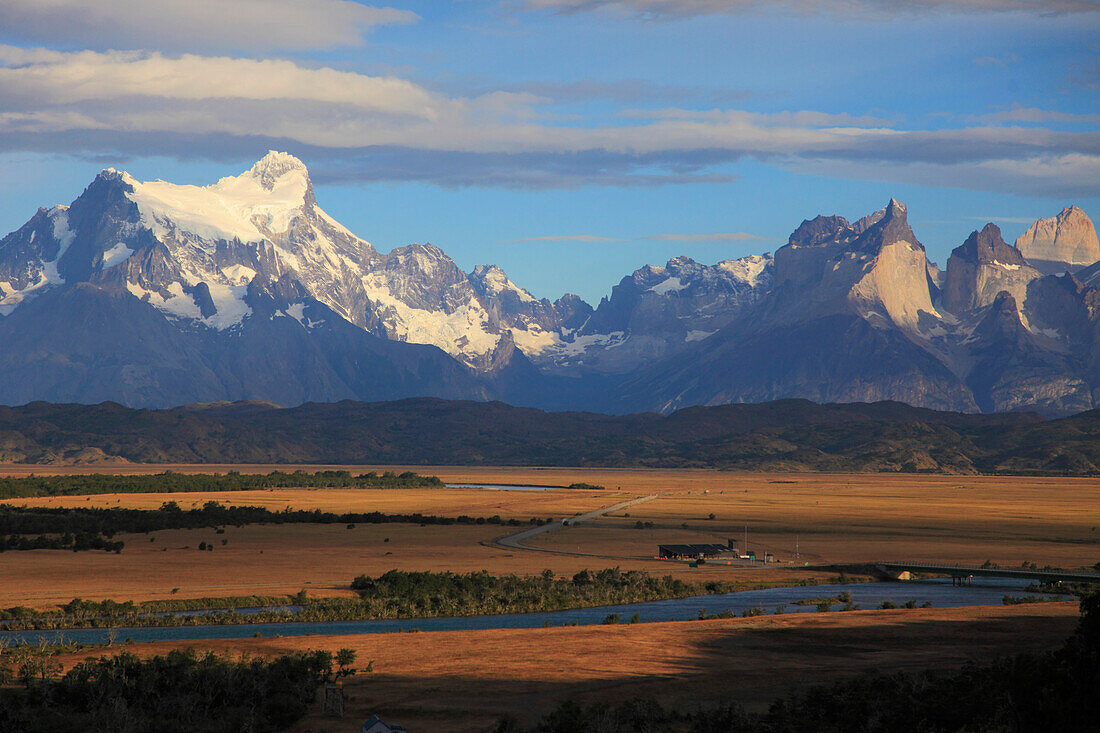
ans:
(283, 559)
(833, 518)
(465, 680)
(442, 502)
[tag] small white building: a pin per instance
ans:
(375, 725)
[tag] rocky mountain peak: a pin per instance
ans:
(886, 226)
(1060, 243)
(274, 166)
(819, 231)
(1002, 321)
(492, 278)
(987, 247)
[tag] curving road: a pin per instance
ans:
(516, 540)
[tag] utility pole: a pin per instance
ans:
(747, 543)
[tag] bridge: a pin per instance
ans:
(962, 574)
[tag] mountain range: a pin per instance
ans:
(152, 294)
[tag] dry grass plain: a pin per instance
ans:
(464, 681)
(833, 518)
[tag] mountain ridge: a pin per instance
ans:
(787, 435)
(262, 295)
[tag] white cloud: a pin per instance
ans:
(570, 238)
(43, 78)
(1034, 114)
(801, 119)
(1054, 176)
(194, 24)
(864, 9)
(386, 128)
(716, 237)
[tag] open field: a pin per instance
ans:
(833, 518)
(522, 505)
(463, 681)
(281, 559)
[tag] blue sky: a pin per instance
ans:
(570, 141)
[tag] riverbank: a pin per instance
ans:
(463, 681)
(307, 621)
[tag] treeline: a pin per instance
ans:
(68, 541)
(786, 435)
(178, 693)
(1028, 692)
(419, 594)
(393, 595)
(171, 482)
(104, 523)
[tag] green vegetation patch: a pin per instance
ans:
(394, 595)
(171, 482)
(88, 528)
(178, 692)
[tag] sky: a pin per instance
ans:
(570, 141)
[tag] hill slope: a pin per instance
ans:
(784, 435)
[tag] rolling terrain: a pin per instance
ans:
(789, 435)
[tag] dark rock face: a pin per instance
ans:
(983, 266)
(88, 344)
(1013, 371)
(837, 358)
(987, 246)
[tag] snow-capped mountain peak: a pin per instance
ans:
(275, 165)
(494, 281)
(262, 201)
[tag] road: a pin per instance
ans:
(516, 540)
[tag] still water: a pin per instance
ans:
(940, 593)
(504, 487)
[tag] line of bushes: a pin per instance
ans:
(170, 482)
(394, 595)
(89, 523)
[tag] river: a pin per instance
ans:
(940, 593)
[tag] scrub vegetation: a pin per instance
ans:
(171, 482)
(393, 595)
(92, 528)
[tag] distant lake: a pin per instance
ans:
(939, 592)
(504, 487)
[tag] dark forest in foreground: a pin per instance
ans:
(776, 436)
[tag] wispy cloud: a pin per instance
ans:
(1036, 115)
(865, 9)
(1056, 176)
(804, 118)
(569, 238)
(1005, 60)
(356, 128)
(1006, 219)
(690, 238)
(717, 237)
(191, 25)
(625, 91)
(1087, 76)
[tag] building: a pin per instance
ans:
(679, 552)
(375, 725)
